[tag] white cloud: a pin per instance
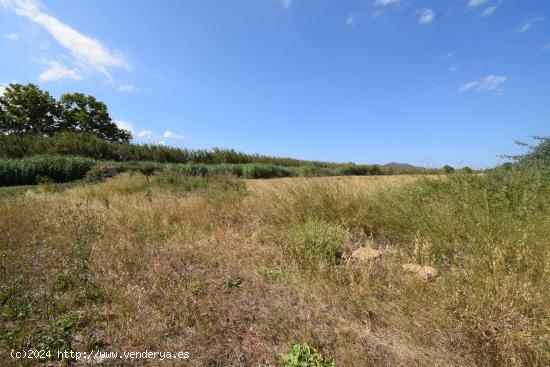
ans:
(145, 134)
(490, 82)
(350, 20)
(56, 71)
(526, 26)
(467, 86)
(489, 11)
(546, 46)
(171, 135)
(286, 3)
(453, 68)
(473, 3)
(427, 16)
(12, 36)
(128, 88)
(125, 125)
(447, 56)
(385, 2)
(161, 143)
(3, 86)
(89, 54)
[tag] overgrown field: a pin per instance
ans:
(90, 146)
(34, 169)
(259, 273)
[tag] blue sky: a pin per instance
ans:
(371, 81)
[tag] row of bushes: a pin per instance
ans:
(250, 170)
(87, 145)
(30, 170)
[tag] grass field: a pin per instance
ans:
(237, 271)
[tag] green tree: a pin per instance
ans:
(86, 114)
(448, 169)
(26, 109)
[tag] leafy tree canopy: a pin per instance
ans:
(448, 169)
(27, 110)
(86, 114)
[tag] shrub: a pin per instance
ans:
(448, 169)
(317, 241)
(102, 172)
(106, 170)
(266, 171)
(359, 170)
(305, 356)
(316, 171)
(29, 170)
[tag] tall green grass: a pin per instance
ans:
(31, 170)
(488, 236)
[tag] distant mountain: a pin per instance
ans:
(401, 166)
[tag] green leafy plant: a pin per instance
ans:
(232, 281)
(305, 356)
(35, 169)
(316, 240)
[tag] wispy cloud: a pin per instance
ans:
(546, 46)
(527, 25)
(171, 135)
(88, 54)
(489, 11)
(494, 83)
(286, 3)
(128, 126)
(12, 36)
(474, 3)
(56, 71)
(447, 56)
(351, 20)
(453, 68)
(125, 125)
(145, 134)
(3, 87)
(127, 88)
(427, 16)
(385, 2)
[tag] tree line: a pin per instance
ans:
(28, 110)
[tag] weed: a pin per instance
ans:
(306, 356)
(315, 241)
(232, 281)
(272, 274)
(193, 287)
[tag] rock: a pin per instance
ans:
(424, 272)
(364, 254)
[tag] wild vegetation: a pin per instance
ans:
(31, 170)
(34, 169)
(27, 110)
(33, 123)
(87, 145)
(242, 272)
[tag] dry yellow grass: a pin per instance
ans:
(354, 183)
(148, 266)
